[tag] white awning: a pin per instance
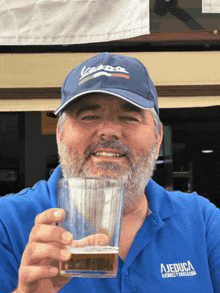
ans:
(50, 22)
(210, 6)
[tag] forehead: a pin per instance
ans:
(101, 101)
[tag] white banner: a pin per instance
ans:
(50, 22)
(210, 6)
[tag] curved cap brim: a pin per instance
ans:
(133, 98)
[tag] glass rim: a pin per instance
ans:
(101, 179)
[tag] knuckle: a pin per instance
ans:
(51, 252)
(30, 249)
(47, 233)
(35, 252)
(32, 235)
(23, 272)
(37, 219)
(26, 276)
(53, 233)
(45, 215)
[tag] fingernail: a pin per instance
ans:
(57, 213)
(66, 236)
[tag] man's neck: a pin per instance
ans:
(131, 223)
(140, 211)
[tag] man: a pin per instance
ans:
(109, 127)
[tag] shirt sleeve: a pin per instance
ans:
(17, 217)
(8, 264)
(212, 220)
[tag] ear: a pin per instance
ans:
(159, 140)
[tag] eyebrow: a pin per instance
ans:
(127, 107)
(87, 108)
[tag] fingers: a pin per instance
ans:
(36, 266)
(50, 216)
(33, 273)
(48, 233)
(92, 240)
(47, 243)
(35, 252)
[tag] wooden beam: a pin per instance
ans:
(162, 91)
(175, 38)
(165, 68)
(49, 99)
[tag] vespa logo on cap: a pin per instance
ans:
(107, 70)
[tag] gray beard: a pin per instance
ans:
(135, 177)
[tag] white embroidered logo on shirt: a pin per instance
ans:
(184, 269)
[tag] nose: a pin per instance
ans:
(109, 130)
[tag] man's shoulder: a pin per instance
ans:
(28, 199)
(194, 207)
(179, 197)
(25, 193)
(18, 213)
(168, 203)
(41, 196)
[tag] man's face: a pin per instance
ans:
(105, 136)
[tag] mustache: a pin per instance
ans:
(104, 144)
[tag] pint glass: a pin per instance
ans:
(93, 209)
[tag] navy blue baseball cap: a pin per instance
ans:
(122, 76)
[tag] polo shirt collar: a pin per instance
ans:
(53, 186)
(159, 199)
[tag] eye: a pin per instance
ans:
(129, 119)
(90, 118)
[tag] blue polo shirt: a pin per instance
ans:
(177, 249)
